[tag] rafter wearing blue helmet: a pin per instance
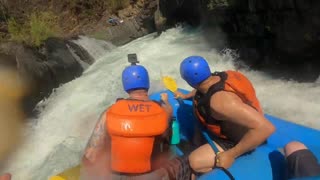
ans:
(135, 77)
(228, 112)
(134, 123)
(194, 70)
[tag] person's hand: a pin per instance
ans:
(224, 159)
(179, 94)
(164, 97)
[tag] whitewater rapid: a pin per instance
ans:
(56, 139)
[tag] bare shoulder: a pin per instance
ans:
(230, 107)
(224, 100)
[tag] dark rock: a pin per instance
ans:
(60, 61)
(181, 10)
(160, 21)
(123, 33)
(152, 5)
(141, 22)
(129, 30)
(81, 52)
(140, 4)
(269, 34)
(44, 69)
(8, 61)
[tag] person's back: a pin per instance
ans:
(238, 85)
(226, 105)
(129, 123)
(124, 142)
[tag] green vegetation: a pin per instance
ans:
(16, 30)
(32, 23)
(95, 7)
(38, 27)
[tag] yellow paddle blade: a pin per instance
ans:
(170, 83)
(57, 178)
(68, 174)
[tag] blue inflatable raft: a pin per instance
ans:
(266, 162)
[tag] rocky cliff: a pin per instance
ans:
(44, 69)
(59, 60)
(274, 35)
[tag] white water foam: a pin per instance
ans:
(96, 48)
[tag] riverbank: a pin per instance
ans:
(56, 60)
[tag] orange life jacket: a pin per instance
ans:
(132, 126)
(231, 81)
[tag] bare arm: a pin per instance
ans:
(166, 105)
(179, 94)
(230, 107)
(96, 158)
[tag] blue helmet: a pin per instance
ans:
(194, 70)
(135, 77)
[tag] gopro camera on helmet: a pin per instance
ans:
(132, 58)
